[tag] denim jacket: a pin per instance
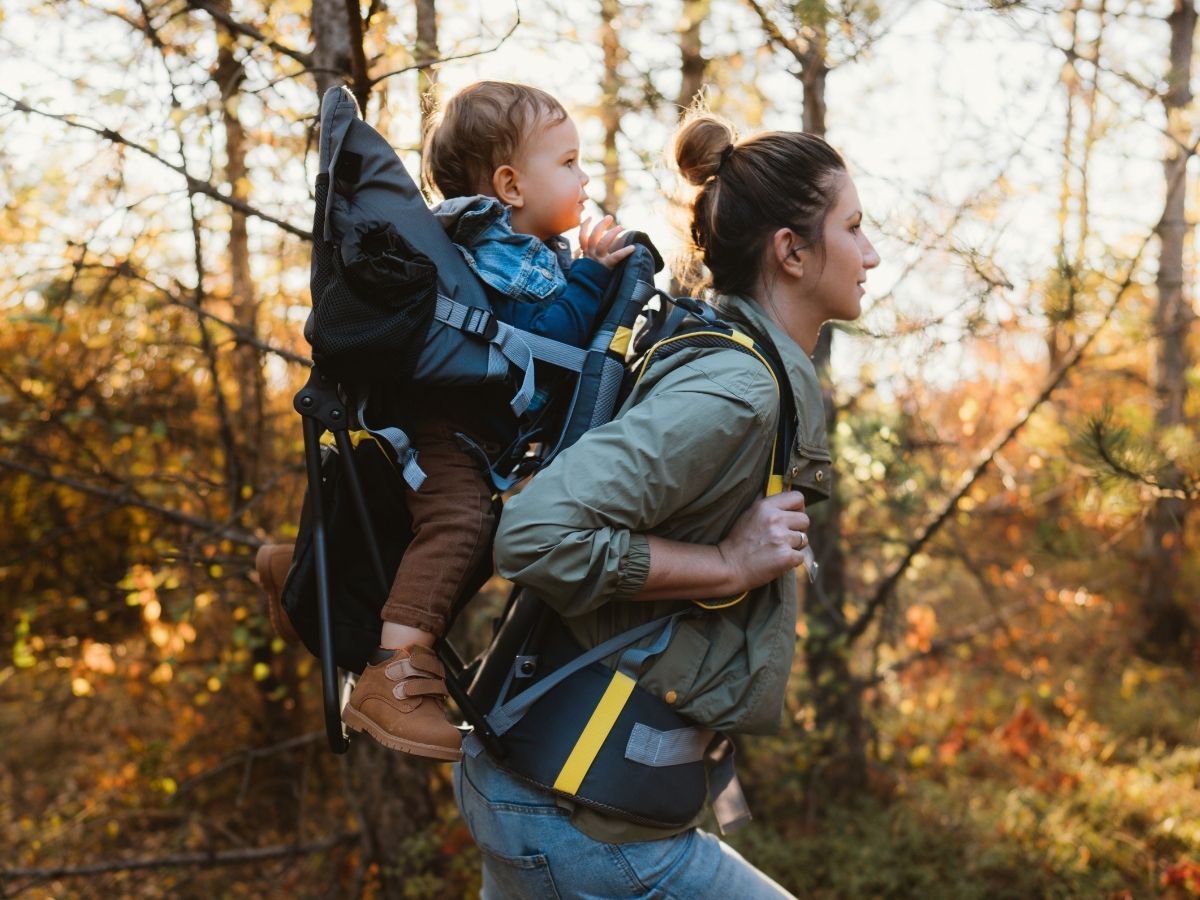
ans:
(535, 285)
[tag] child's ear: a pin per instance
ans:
(507, 185)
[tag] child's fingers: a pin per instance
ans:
(606, 241)
(585, 233)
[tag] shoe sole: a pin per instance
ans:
(280, 622)
(360, 723)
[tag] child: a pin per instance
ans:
(506, 158)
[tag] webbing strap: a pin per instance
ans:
(510, 342)
(474, 319)
(519, 348)
(725, 794)
(565, 356)
(583, 754)
(632, 661)
(402, 448)
(505, 717)
(652, 747)
(453, 314)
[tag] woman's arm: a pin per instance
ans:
(597, 524)
(764, 543)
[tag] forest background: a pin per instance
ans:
(998, 696)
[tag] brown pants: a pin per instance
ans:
(453, 520)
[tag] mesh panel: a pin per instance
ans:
(322, 252)
(375, 332)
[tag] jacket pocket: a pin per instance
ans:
(673, 677)
(811, 471)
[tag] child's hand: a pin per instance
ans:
(604, 242)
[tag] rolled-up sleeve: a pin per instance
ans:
(577, 533)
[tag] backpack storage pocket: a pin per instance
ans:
(373, 313)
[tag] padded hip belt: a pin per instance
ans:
(591, 734)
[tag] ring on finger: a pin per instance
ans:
(803, 540)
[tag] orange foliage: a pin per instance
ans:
(1024, 733)
(1184, 876)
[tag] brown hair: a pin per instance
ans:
(749, 189)
(481, 129)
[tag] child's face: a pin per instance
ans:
(549, 180)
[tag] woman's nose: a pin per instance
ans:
(870, 256)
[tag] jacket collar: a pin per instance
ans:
(465, 218)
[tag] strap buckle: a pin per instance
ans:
(481, 323)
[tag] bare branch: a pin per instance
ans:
(776, 36)
(884, 591)
(245, 756)
(427, 63)
(202, 858)
(129, 498)
(241, 335)
(305, 59)
(997, 619)
(194, 185)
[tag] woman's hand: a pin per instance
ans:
(766, 541)
(604, 243)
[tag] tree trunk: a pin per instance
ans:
(813, 72)
(692, 64)
(692, 68)
(391, 793)
(249, 387)
(333, 45)
(248, 372)
(610, 104)
(425, 51)
(840, 727)
(1167, 628)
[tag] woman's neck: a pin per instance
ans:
(792, 315)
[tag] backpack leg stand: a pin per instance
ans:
(323, 410)
(319, 406)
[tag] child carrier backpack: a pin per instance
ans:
(396, 308)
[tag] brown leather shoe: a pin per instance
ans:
(272, 563)
(400, 703)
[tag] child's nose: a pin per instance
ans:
(584, 178)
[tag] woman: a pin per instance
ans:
(663, 506)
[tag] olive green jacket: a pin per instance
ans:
(687, 453)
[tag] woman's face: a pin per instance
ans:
(834, 274)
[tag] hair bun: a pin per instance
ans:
(701, 145)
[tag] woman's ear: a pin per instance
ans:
(785, 248)
(507, 186)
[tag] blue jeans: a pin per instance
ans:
(531, 851)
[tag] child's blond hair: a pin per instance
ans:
(481, 129)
